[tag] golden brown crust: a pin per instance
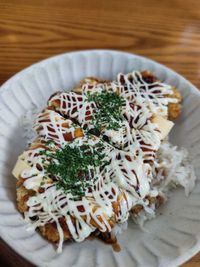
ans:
(148, 77)
(50, 232)
(174, 109)
(88, 80)
(176, 94)
(23, 195)
(137, 209)
(157, 201)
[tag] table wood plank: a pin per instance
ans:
(167, 31)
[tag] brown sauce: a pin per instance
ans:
(106, 239)
(116, 246)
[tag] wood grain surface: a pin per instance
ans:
(167, 31)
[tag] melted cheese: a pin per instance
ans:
(20, 166)
(164, 125)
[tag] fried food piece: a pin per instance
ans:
(50, 231)
(89, 80)
(174, 109)
(148, 77)
(23, 195)
(157, 201)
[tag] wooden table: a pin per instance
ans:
(167, 31)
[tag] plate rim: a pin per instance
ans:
(5, 86)
(87, 51)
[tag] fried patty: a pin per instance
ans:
(50, 232)
(174, 109)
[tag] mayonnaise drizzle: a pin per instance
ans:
(121, 184)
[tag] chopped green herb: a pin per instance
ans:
(50, 143)
(75, 167)
(109, 109)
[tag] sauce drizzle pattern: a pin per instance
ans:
(130, 151)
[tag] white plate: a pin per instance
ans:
(172, 238)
